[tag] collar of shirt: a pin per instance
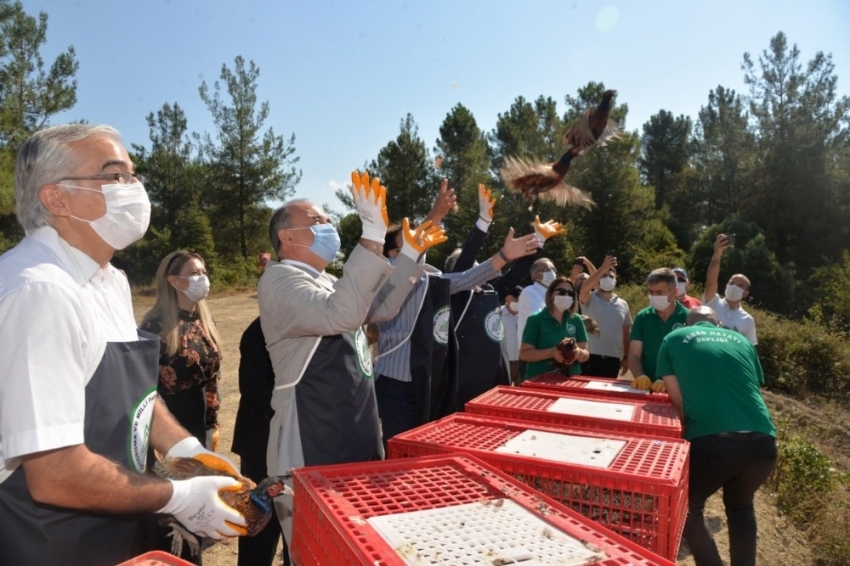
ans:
(300, 264)
(78, 264)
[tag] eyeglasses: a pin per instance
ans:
(563, 292)
(120, 178)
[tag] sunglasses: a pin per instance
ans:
(563, 292)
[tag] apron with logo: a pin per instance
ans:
(337, 409)
(479, 334)
(120, 398)
(433, 353)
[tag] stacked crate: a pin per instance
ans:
(648, 417)
(634, 485)
(598, 386)
(451, 509)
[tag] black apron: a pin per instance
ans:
(337, 409)
(479, 335)
(120, 398)
(433, 352)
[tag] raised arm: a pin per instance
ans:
(597, 274)
(721, 243)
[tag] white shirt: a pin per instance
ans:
(510, 345)
(531, 300)
(58, 309)
(734, 319)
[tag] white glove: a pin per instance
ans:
(370, 199)
(189, 447)
(196, 504)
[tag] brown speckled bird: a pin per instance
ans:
(544, 181)
(594, 127)
(253, 501)
(568, 350)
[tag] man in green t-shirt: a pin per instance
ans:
(713, 377)
(663, 315)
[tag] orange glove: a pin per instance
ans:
(642, 382)
(658, 386)
(417, 241)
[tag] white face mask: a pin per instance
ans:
(734, 293)
(548, 277)
(199, 288)
(127, 216)
(659, 302)
(562, 302)
(680, 289)
(607, 283)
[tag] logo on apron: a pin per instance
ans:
(364, 355)
(140, 430)
(441, 326)
(494, 327)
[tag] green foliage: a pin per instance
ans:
(801, 357)
(30, 93)
(831, 285)
(248, 166)
(141, 260)
(813, 495)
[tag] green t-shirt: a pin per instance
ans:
(651, 330)
(719, 375)
(543, 331)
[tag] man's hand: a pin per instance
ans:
(658, 386)
(446, 202)
(189, 447)
(370, 199)
(545, 230)
(721, 244)
(415, 242)
(196, 504)
(515, 248)
(485, 203)
(624, 366)
(609, 262)
(642, 382)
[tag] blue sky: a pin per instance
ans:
(341, 75)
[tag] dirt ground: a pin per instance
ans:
(779, 542)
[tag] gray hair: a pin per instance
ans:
(539, 265)
(702, 314)
(662, 275)
(43, 159)
(281, 220)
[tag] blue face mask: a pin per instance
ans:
(326, 241)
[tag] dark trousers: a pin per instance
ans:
(396, 406)
(601, 366)
(739, 463)
(259, 549)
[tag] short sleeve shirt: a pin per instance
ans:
(719, 376)
(58, 309)
(650, 329)
(542, 331)
(734, 319)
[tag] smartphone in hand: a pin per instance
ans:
(731, 239)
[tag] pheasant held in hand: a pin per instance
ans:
(594, 127)
(545, 181)
(253, 501)
(568, 350)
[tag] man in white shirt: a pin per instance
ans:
(533, 297)
(78, 403)
(729, 308)
(510, 344)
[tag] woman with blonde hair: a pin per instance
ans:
(190, 357)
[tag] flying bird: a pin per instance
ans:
(594, 127)
(545, 181)
(253, 501)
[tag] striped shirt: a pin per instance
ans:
(393, 342)
(510, 345)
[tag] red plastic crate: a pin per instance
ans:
(642, 494)
(336, 506)
(156, 558)
(585, 385)
(522, 403)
